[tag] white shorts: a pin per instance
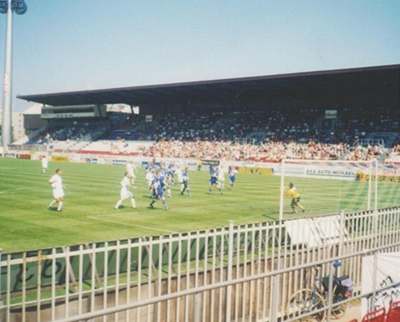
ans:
(125, 194)
(58, 193)
(131, 174)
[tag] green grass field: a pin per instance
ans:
(92, 190)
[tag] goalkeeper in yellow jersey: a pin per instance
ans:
(295, 196)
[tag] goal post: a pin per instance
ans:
(330, 184)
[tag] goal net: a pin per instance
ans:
(324, 187)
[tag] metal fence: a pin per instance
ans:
(238, 273)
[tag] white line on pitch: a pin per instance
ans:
(131, 225)
(12, 190)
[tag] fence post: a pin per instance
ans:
(342, 227)
(374, 277)
(275, 279)
(229, 272)
(376, 185)
(369, 184)
(375, 222)
(330, 292)
(198, 307)
(275, 295)
(198, 298)
(375, 229)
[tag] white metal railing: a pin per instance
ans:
(327, 308)
(231, 269)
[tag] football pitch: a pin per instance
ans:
(92, 191)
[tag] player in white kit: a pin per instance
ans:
(149, 178)
(221, 179)
(56, 183)
(125, 193)
(45, 164)
(130, 170)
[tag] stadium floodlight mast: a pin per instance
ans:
(9, 7)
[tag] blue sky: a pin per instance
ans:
(63, 45)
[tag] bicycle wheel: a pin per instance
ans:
(306, 301)
(339, 310)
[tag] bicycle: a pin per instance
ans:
(388, 292)
(306, 300)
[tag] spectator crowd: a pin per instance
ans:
(243, 136)
(269, 151)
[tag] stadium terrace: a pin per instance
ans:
(350, 114)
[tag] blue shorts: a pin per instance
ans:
(158, 193)
(213, 180)
(159, 196)
(232, 179)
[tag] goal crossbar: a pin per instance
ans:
(329, 161)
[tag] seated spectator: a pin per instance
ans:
(267, 135)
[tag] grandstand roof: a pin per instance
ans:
(367, 86)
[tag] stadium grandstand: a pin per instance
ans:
(350, 114)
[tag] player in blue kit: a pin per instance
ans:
(213, 182)
(158, 186)
(169, 174)
(171, 171)
(184, 181)
(232, 172)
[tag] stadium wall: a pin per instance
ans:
(319, 170)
